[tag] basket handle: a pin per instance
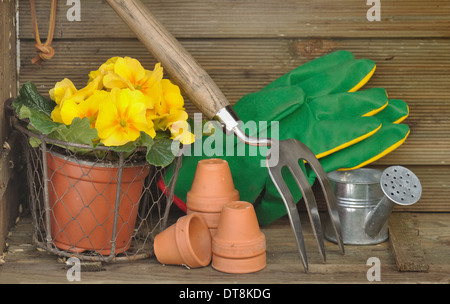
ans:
(179, 64)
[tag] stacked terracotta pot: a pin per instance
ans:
(238, 246)
(218, 227)
(211, 189)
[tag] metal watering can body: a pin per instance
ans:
(366, 198)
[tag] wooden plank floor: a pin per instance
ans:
(23, 263)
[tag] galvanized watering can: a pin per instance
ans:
(366, 198)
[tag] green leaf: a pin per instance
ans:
(78, 132)
(145, 140)
(38, 120)
(126, 148)
(162, 152)
(29, 96)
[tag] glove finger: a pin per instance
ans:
(390, 136)
(312, 68)
(348, 77)
(396, 111)
(386, 140)
(355, 104)
(325, 135)
(269, 105)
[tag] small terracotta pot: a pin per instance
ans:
(212, 186)
(82, 199)
(187, 242)
(238, 246)
(211, 189)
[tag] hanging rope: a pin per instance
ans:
(45, 51)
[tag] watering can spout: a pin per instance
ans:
(378, 217)
(400, 187)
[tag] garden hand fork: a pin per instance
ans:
(208, 98)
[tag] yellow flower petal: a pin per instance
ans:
(130, 69)
(172, 95)
(106, 120)
(62, 90)
(174, 116)
(56, 114)
(69, 111)
(113, 80)
(180, 130)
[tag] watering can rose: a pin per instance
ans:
(121, 100)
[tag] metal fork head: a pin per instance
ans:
(289, 152)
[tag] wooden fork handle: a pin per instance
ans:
(179, 64)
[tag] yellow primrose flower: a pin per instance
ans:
(129, 73)
(120, 120)
(175, 115)
(171, 98)
(176, 122)
(86, 108)
(105, 68)
(172, 95)
(65, 89)
(180, 130)
(62, 90)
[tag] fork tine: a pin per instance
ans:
(290, 152)
(311, 205)
(294, 218)
(330, 199)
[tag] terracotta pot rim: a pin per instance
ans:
(214, 160)
(91, 171)
(187, 251)
(102, 164)
(260, 239)
(229, 248)
(213, 197)
(209, 204)
(245, 265)
(211, 218)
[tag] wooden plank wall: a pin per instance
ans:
(9, 183)
(245, 44)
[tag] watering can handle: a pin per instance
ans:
(179, 64)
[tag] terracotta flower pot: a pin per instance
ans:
(187, 242)
(239, 246)
(211, 189)
(82, 199)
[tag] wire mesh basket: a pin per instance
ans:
(95, 207)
